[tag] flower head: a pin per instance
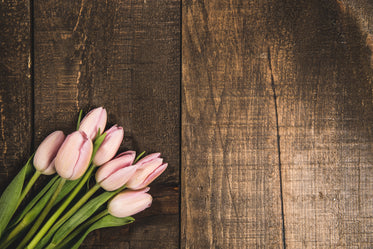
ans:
(45, 154)
(73, 158)
(109, 146)
(148, 169)
(95, 120)
(130, 202)
(115, 173)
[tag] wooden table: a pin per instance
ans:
(263, 109)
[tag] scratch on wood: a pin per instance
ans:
(278, 148)
(80, 14)
(5, 146)
(29, 65)
(77, 84)
(232, 198)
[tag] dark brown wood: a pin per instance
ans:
(15, 89)
(124, 56)
(323, 77)
(277, 102)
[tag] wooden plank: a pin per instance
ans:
(125, 56)
(231, 194)
(15, 89)
(323, 77)
(306, 66)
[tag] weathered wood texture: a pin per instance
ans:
(277, 111)
(123, 55)
(323, 77)
(15, 88)
(230, 187)
(277, 92)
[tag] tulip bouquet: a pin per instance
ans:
(70, 206)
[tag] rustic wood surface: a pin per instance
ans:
(123, 56)
(263, 109)
(15, 88)
(277, 110)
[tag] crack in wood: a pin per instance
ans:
(79, 15)
(31, 67)
(278, 148)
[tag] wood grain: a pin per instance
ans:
(323, 79)
(230, 176)
(124, 56)
(277, 111)
(276, 93)
(15, 89)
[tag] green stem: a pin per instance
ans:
(55, 228)
(75, 207)
(79, 119)
(79, 230)
(42, 216)
(62, 208)
(25, 219)
(138, 157)
(10, 238)
(80, 203)
(28, 187)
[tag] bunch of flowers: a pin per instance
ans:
(68, 207)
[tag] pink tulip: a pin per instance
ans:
(93, 121)
(148, 169)
(47, 151)
(130, 202)
(115, 173)
(73, 158)
(109, 146)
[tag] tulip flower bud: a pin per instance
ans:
(109, 146)
(73, 158)
(115, 173)
(47, 151)
(130, 202)
(148, 169)
(93, 121)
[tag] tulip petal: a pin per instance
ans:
(47, 151)
(118, 179)
(74, 155)
(93, 121)
(157, 172)
(143, 171)
(124, 159)
(82, 163)
(50, 170)
(109, 146)
(68, 154)
(129, 203)
(148, 158)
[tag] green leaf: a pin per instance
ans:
(36, 206)
(32, 211)
(106, 221)
(97, 143)
(26, 220)
(67, 188)
(81, 215)
(34, 201)
(35, 211)
(10, 197)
